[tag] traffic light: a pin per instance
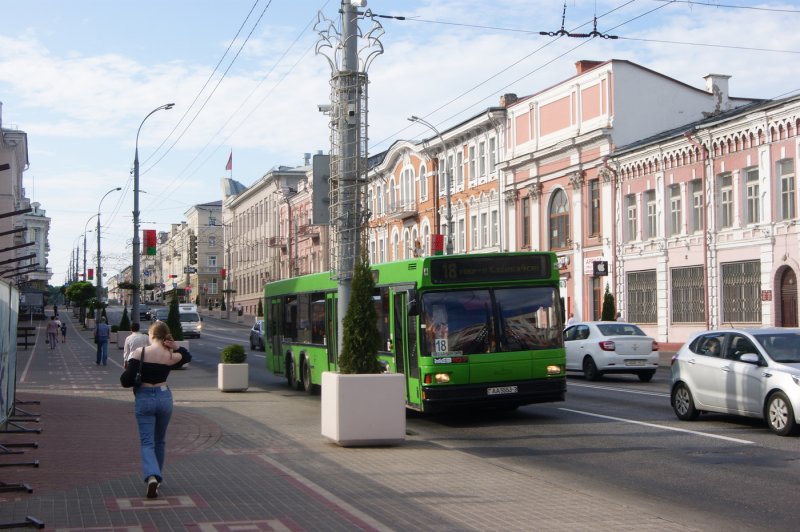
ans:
(192, 249)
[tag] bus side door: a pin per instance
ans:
(274, 331)
(404, 339)
(331, 334)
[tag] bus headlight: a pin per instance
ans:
(554, 369)
(442, 378)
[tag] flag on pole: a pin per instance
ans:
(229, 166)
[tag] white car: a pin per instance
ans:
(599, 347)
(747, 372)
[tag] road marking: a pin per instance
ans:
(653, 425)
(612, 389)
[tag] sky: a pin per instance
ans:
(80, 77)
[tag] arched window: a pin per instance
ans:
(395, 247)
(559, 220)
(423, 183)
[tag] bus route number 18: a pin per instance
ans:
(440, 345)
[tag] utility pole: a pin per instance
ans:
(348, 123)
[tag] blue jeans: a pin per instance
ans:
(153, 411)
(102, 351)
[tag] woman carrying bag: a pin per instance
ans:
(147, 372)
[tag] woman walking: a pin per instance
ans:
(52, 331)
(153, 398)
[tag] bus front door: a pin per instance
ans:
(274, 333)
(404, 337)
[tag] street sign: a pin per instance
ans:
(189, 269)
(174, 285)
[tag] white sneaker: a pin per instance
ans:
(152, 487)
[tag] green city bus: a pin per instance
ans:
(465, 330)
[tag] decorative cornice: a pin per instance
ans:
(576, 179)
(606, 174)
(510, 196)
(535, 190)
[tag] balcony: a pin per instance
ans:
(402, 211)
(275, 242)
(308, 230)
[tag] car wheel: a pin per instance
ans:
(780, 415)
(646, 376)
(590, 369)
(683, 403)
(308, 387)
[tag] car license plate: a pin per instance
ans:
(635, 362)
(501, 390)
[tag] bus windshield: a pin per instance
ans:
(491, 320)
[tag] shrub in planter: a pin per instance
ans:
(361, 339)
(174, 320)
(125, 321)
(114, 328)
(233, 354)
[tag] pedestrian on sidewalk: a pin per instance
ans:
(63, 332)
(133, 342)
(154, 398)
(52, 332)
(101, 335)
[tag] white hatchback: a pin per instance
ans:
(747, 372)
(599, 347)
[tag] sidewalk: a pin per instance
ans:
(256, 461)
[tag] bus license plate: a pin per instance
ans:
(501, 390)
(635, 362)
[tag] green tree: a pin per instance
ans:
(260, 309)
(361, 337)
(174, 318)
(125, 321)
(81, 293)
(609, 312)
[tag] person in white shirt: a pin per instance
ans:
(133, 342)
(571, 320)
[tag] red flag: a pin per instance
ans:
(229, 166)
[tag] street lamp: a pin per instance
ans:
(99, 267)
(136, 242)
(449, 215)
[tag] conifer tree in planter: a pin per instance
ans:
(124, 329)
(609, 312)
(260, 309)
(360, 404)
(232, 370)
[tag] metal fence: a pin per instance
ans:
(9, 314)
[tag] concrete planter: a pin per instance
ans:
(121, 337)
(363, 410)
(112, 338)
(232, 377)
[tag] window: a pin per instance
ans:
(741, 292)
(492, 154)
(473, 230)
(442, 176)
(482, 159)
(423, 183)
(212, 261)
(753, 200)
(559, 220)
(631, 225)
(484, 229)
(495, 228)
(675, 222)
(380, 199)
(370, 199)
(526, 221)
(688, 294)
(212, 286)
(472, 174)
(460, 169)
(212, 220)
(392, 196)
(212, 241)
(652, 214)
(597, 297)
(698, 220)
(642, 297)
(726, 201)
(462, 235)
(407, 189)
(786, 187)
(594, 207)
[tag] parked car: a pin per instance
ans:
(747, 372)
(160, 314)
(144, 312)
(600, 347)
(257, 335)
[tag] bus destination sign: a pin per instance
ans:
(481, 269)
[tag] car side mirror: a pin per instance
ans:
(750, 358)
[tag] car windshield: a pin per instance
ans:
(619, 329)
(781, 347)
(189, 316)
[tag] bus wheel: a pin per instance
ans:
(291, 374)
(308, 387)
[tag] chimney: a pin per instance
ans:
(507, 99)
(717, 85)
(585, 65)
(306, 159)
